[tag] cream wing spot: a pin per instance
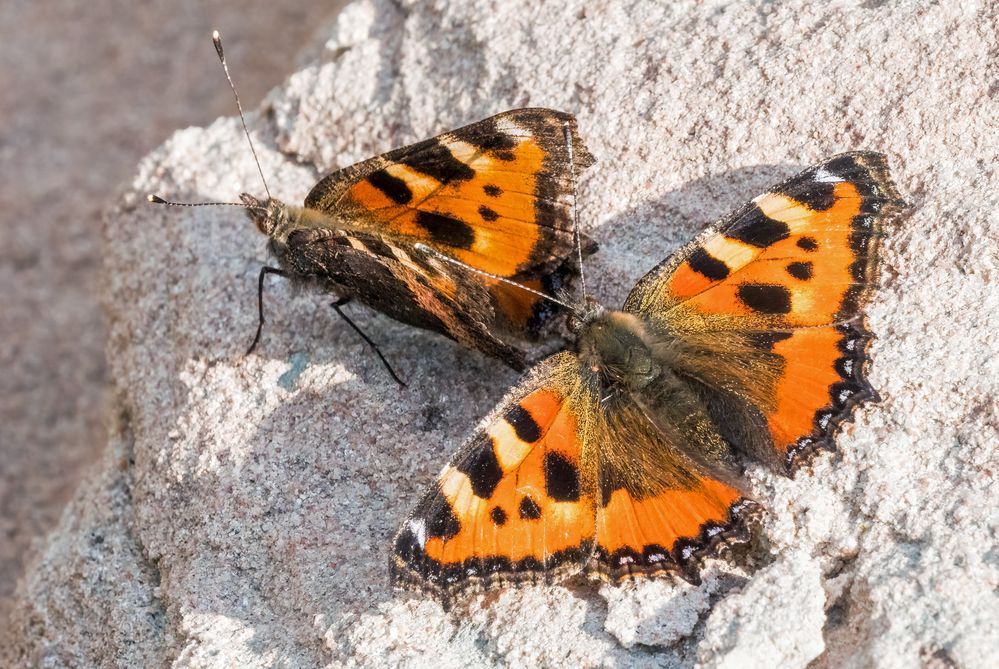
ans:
(508, 127)
(421, 185)
(471, 155)
(452, 481)
(781, 208)
(510, 449)
(732, 252)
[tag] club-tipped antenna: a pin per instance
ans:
(423, 248)
(577, 238)
(217, 41)
(156, 199)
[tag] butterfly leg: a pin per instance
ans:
(264, 271)
(374, 347)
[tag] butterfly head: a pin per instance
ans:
(582, 314)
(270, 215)
(613, 344)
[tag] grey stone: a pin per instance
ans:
(88, 89)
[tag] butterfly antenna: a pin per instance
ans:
(156, 199)
(423, 248)
(217, 41)
(567, 131)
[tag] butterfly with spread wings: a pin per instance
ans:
(623, 457)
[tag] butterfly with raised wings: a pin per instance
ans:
(496, 195)
(624, 456)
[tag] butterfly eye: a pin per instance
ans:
(264, 221)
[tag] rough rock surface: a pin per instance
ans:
(246, 503)
(87, 90)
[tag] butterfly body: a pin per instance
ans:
(308, 243)
(615, 345)
(495, 195)
(624, 456)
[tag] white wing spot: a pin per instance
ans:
(418, 527)
(824, 176)
(510, 128)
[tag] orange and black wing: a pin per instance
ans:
(669, 530)
(767, 306)
(561, 481)
(496, 195)
(514, 504)
(667, 496)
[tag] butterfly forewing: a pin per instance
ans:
(787, 275)
(516, 502)
(496, 195)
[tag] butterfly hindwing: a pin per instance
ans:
(668, 495)
(784, 280)
(668, 532)
(496, 195)
(410, 287)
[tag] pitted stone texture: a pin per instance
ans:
(746, 630)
